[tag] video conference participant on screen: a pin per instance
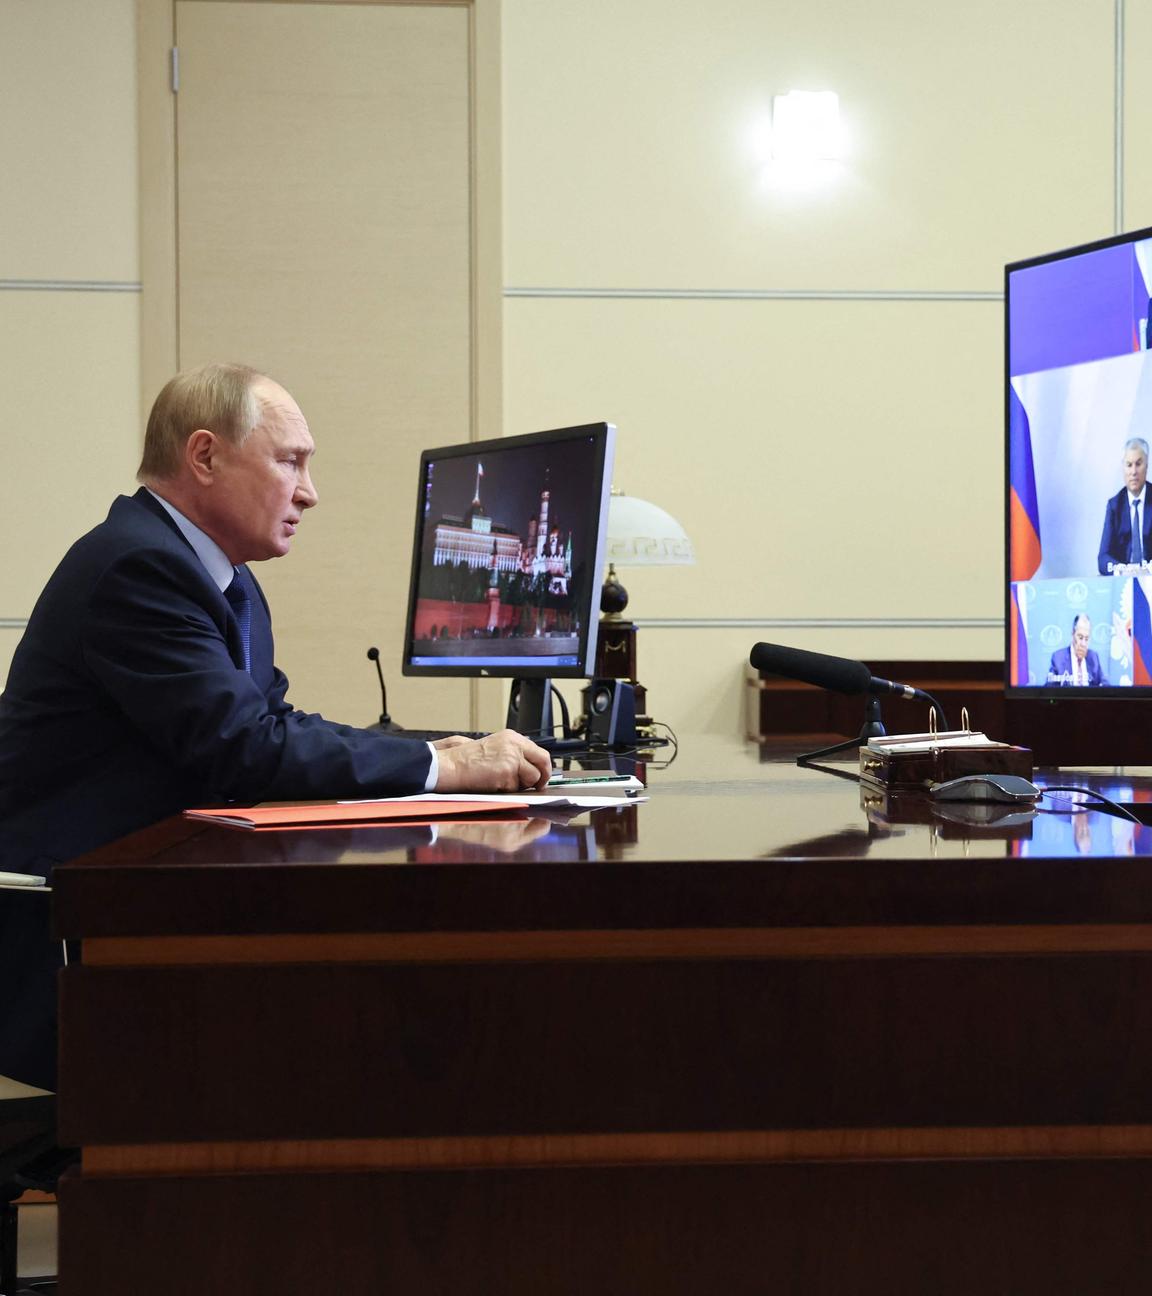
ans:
(145, 681)
(1077, 665)
(1120, 543)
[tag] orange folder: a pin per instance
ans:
(330, 814)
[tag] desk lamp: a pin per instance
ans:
(640, 534)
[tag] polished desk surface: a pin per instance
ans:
(731, 834)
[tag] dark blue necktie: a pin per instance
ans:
(1136, 548)
(241, 604)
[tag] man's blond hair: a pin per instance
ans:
(218, 397)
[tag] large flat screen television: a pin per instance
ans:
(1078, 417)
(508, 561)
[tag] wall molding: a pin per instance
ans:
(69, 285)
(758, 294)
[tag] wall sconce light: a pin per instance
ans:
(806, 126)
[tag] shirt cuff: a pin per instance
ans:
(433, 770)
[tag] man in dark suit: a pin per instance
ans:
(145, 682)
(1117, 549)
(1077, 664)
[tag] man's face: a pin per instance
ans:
(1081, 637)
(263, 486)
(1135, 470)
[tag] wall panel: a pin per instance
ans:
(1137, 67)
(73, 440)
(68, 140)
(810, 450)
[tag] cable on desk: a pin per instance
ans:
(642, 745)
(1118, 806)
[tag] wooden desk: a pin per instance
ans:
(744, 1037)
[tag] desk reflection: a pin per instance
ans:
(537, 841)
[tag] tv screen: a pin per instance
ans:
(508, 555)
(1078, 416)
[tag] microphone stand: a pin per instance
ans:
(386, 723)
(873, 727)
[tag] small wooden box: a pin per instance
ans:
(920, 770)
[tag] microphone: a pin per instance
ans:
(837, 674)
(385, 718)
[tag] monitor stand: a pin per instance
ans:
(530, 707)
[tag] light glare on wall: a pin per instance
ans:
(806, 126)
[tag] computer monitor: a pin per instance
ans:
(508, 561)
(1078, 418)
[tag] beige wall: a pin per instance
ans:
(836, 454)
(69, 290)
(801, 440)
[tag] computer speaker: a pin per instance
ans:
(610, 711)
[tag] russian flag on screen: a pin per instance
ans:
(1018, 653)
(1024, 519)
(1141, 636)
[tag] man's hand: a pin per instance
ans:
(502, 762)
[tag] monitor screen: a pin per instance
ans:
(508, 555)
(1078, 416)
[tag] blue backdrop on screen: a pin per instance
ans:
(1084, 308)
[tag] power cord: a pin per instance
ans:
(565, 718)
(1120, 809)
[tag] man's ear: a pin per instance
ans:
(200, 454)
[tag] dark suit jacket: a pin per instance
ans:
(1061, 664)
(1117, 535)
(127, 701)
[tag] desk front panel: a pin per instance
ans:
(917, 1229)
(483, 1051)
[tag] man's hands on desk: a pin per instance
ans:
(501, 762)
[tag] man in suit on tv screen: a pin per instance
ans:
(1127, 535)
(1077, 665)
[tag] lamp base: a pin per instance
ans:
(616, 659)
(616, 649)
